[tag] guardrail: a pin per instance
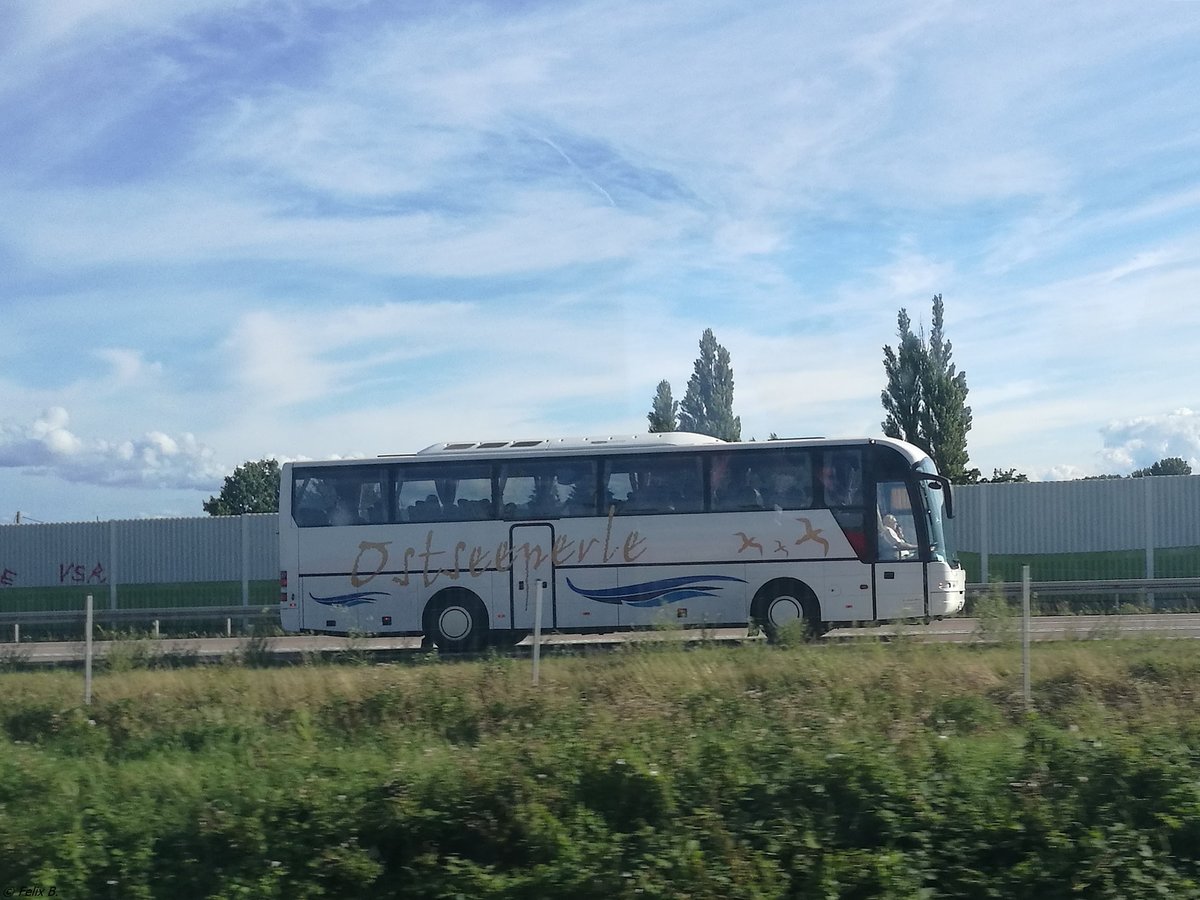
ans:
(1159, 586)
(154, 615)
(1076, 588)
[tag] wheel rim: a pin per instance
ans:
(783, 610)
(455, 623)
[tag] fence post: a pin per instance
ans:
(245, 561)
(537, 632)
(87, 652)
(1025, 636)
(1150, 537)
(112, 564)
(984, 532)
(16, 632)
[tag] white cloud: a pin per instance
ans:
(914, 275)
(44, 441)
(1141, 442)
(46, 446)
(128, 367)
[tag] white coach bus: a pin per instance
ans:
(621, 532)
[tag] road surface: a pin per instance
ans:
(1043, 628)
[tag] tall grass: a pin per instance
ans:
(899, 770)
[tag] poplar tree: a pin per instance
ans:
(945, 416)
(707, 406)
(664, 413)
(902, 396)
(925, 398)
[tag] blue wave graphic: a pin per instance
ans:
(347, 600)
(656, 593)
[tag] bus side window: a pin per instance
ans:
(787, 480)
(841, 478)
(734, 484)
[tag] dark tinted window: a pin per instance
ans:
(636, 485)
(444, 492)
(548, 488)
(339, 496)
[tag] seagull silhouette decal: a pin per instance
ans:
(812, 534)
(748, 543)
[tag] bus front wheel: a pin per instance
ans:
(456, 621)
(785, 604)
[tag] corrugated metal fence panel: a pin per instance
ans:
(53, 555)
(179, 550)
(1078, 516)
(1176, 505)
(147, 551)
(264, 547)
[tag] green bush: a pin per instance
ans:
(840, 771)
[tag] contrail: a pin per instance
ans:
(571, 163)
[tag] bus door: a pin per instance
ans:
(899, 571)
(531, 560)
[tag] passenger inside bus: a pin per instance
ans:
(345, 508)
(733, 485)
(892, 542)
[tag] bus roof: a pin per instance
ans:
(656, 439)
(660, 441)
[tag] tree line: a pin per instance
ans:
(924, 402)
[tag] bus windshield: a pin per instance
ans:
(934, 494)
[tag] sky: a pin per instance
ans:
(234, 230)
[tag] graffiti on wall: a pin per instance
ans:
(68, 573)
(77, 573)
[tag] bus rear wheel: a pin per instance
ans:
(456, 621)
(785, 605)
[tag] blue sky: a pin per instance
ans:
(233, 230)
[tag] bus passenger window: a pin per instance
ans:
(734, 483)
(662, 484)
(548, 489)
(841, 478)
(339, 496)
(444, 492)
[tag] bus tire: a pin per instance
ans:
(456, 621)
(784, 601)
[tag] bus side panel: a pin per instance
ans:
(349, 580)
(585, 597)
(843, 588)
(693, 594)
(900, 589)
(328, 604)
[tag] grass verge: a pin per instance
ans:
(904, 770)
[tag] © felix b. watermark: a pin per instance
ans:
(29, 891)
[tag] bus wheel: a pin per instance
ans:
(456, 621)
(782, 605)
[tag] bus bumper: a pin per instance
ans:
(947, 592)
